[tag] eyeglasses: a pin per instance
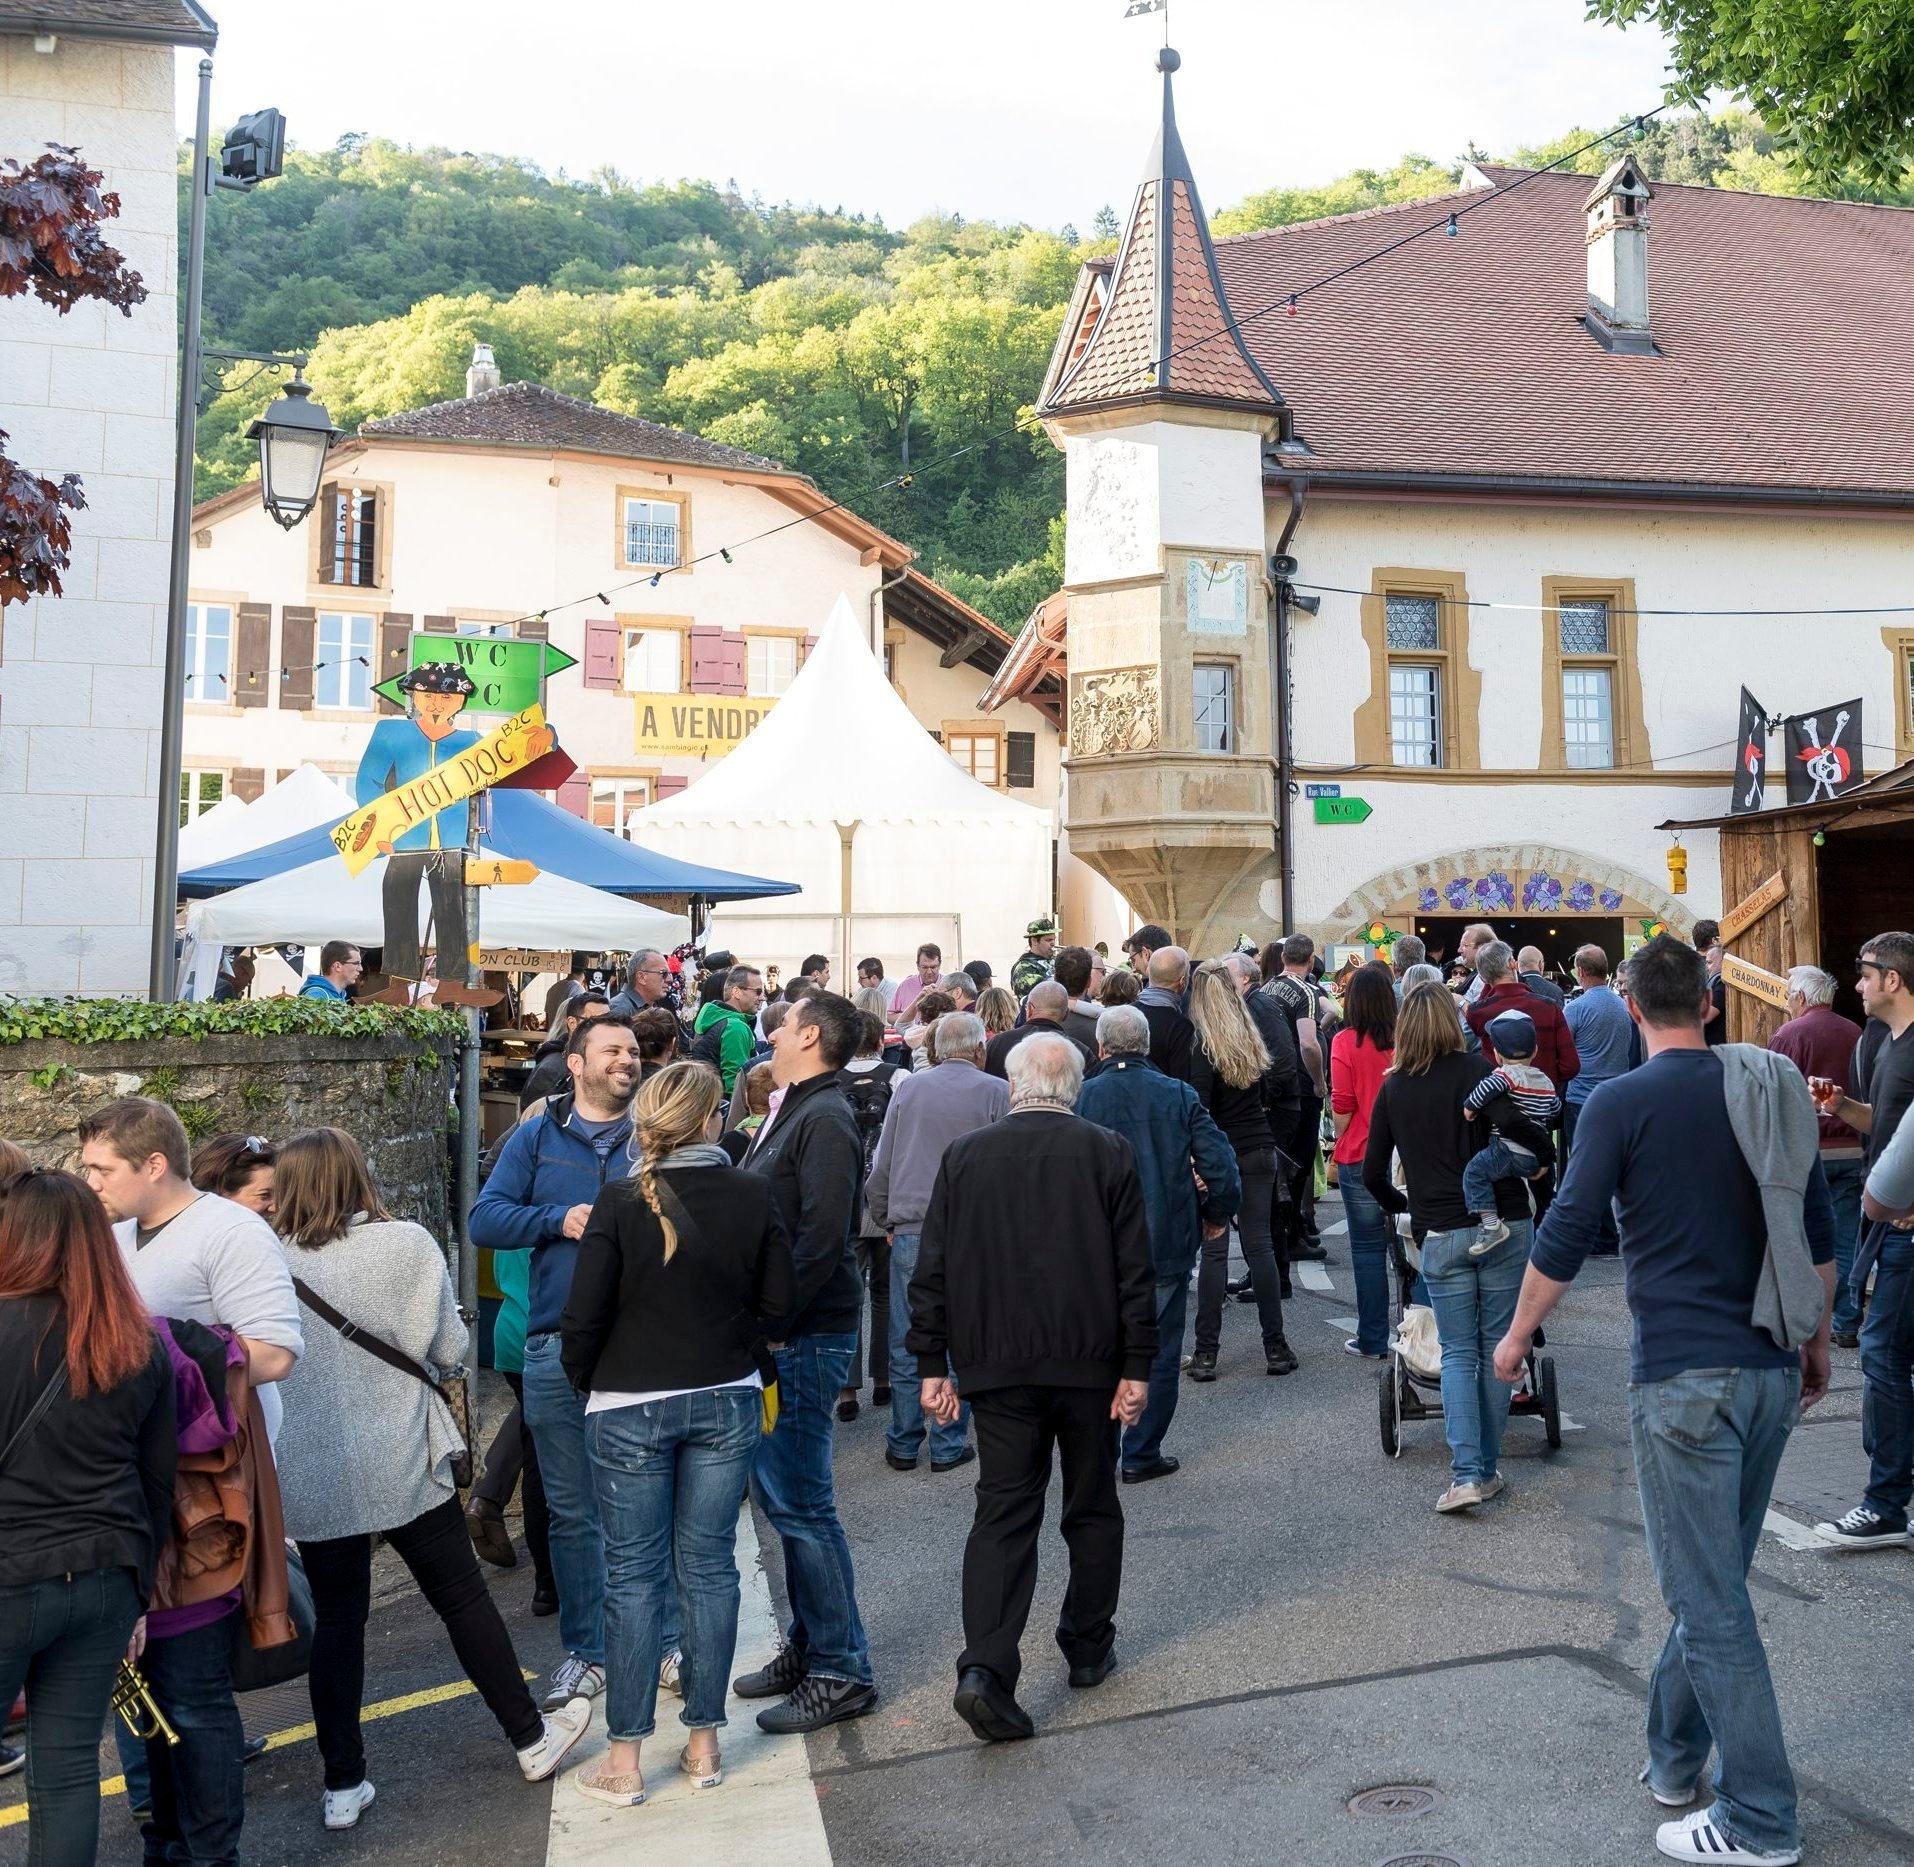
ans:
(1869, 965)
(255, 1147)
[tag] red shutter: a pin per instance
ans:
(669, 786)
(810, 642)
(707, 660)
(575, 795)
(248, 783)
(601, 654)
(733, 680)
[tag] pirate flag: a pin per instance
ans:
(1824, 753)
(1751, 757)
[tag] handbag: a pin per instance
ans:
(256, 1668)
(380, 1350)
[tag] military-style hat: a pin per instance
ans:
(1038, 928)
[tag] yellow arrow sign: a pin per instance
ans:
(498, 872)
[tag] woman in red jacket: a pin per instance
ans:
(1359, 1058)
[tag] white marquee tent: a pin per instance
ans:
(934, 854)
(302, 800)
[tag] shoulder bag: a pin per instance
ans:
(35, 1414)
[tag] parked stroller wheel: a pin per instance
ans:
(1391, 1413)
(1551, 1400)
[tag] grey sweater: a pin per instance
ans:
(928, 1111)
(366, 1447)
(1772, 1116)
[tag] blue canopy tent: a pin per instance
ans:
(522, 824)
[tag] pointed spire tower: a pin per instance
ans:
(1163, 415)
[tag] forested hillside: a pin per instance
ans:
(844, 348)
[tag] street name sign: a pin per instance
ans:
(1322, 790)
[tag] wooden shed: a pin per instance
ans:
(1846, 871)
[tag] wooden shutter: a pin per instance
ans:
(296, 656)
(248, 782)
(325, 540)
(252, 662)
(441, 625)
(395, 650)
(602, 642)
(532, 629)
(707, 660)
(1020, 762)
(736, 666)
(669, 786)
(575, 795)
(810, 642)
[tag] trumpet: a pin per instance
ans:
(133, 1699)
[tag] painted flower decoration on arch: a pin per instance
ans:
(1581, 897)
(1428, 902)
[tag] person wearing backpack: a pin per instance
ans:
(868, 1081)
(724, 1035)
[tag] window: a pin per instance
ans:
(1900, 644)
(976, 753)
(654, 661)
(209, 651)
(1215, 706)
(492, 630)
(770, 664)
(613, 800)
(651, 532)
(199, 791)
(343, 676)
(1592, 716)
(1422, 710)
(1588, 721)
(1415, 714)
(1414, 622)
(349, 536)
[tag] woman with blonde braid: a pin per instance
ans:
(683, 1272)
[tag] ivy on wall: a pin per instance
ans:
(119, 1020)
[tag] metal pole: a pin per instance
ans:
(453, 965)
(162, 973)
(1285, 854)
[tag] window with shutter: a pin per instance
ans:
(253, 663)
(1020, 762)
(733, 682)
(602, 646)
(342, 669)
(654, 661)
(771, 664)
(574, 794)
(209, 652)
(707, 660)
(670, 785)
(296, 656)
(350, 522)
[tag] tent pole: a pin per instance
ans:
(846, 836)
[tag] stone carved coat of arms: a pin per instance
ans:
(1113, 711)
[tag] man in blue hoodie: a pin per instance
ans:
(538, 1199)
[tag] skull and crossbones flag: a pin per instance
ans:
(1751, 757)
(1824, 753)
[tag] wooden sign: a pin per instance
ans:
(498, 872)
(1739, 919)
(524, 959)
(1754, 981)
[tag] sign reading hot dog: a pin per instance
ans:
(372, 829)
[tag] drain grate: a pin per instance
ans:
(1396, 1799)
(1423, 1860)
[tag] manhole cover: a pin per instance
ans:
(1396, 1799)
(1423, 1860)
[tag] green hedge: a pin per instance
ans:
(121, 1020)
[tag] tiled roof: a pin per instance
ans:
(171, 22)
(1784, 331)
(527, 414)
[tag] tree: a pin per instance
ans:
(1834, 77)
(51, 246)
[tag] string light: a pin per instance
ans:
(1453, 228)
(1615, 609)
(602, 597)
(1292, 304)
(724, 553)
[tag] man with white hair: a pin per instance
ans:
(927, 1112)
(1034, 1283)
(1819, 1041)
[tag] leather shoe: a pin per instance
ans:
(896, 1464)
(1280, 1360)
(486, 1525)
(1096, 1672)
(988, 1709)
(545, 1599)
(950, 1465)
(1843, 1338)
(1308, 1248)
(1157, 1468)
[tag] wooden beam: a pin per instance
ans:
(1740, 918)
(963, 648)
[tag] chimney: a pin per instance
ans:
(1617, 210)
(484, 374)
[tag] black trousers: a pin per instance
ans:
(444, 872)
(873, 1351)
(1017, 1427)
(510, 1459)
(438, 1551)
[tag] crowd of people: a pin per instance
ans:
(730, 1207)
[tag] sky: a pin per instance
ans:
(1031, 110)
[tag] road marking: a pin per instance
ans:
(1312, 1274)
(767, 1808)
(1346, 1325)
(1331, 1231)
(1786, 1529)
(1572, 1426)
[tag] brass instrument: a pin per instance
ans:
(133, 1699)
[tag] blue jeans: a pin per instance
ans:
(62, 1639)
(199, 1791)
(1707, 1444)
(1368, 1260)
(905, 1435)
(555, 1411)
(1474, 1303)
(1494, 1160)
(1845, 1181)
(1887, 1377)
(671, 1477)
(1143, 1442)
(791, 1479)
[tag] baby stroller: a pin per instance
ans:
(1410, 1386)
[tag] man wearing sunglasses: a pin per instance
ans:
(1884, 1065)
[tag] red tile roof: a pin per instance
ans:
(164, 22)
(1784, 328)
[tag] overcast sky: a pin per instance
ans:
(1037, 110)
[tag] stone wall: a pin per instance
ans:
(393, 1094)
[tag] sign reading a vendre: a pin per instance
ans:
(693, 725)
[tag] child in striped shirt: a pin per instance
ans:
(1516, 1076)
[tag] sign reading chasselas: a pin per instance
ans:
(693, 726)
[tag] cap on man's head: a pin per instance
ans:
(437, 677)
(720, 961)
(1042, 925)
(1513, 1034)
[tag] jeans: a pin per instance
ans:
(1143, 1442)
(1495, 1160)
(1707, 1443)
(905, 1436)
(791, 1480)
(1609, 1242)
(1259, 1253)
(555, 1411)
(199, 1792)
(62, 1639)
(1474, 1303)
(1887, 1377)
(671, 1476)
(1368, 1260)
(873, 1353)
(438, 1550)
(1845, 1181)
(511, 1458)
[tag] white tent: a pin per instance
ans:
(931, 845)
(302, 800)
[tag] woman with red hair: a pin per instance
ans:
(87, 1452)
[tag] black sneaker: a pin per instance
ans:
(12, 1758)
(1845, 1338)
(1236, 1285)
(950, 1465)
(1863, 1528)
(1280, 1360)
(1201, 1366)
(816, 1703)
(785, 1673)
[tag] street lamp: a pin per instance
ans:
(293, 436)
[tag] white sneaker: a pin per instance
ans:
(563, 1729)
(1696, 1838)
(343, 1807)
(668, 1675)
(1492, 1486)
(1664, 1797)
(572, 1678)
(1459, 1497)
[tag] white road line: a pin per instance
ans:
(1572, 1426)
(1331, 1231)
(1785, 1529)
(1343, 1325)
(766, 1806)
(1313, 1276)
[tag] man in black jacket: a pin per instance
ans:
(809, 1149)
(1034, 1276)
(1161, 1002)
